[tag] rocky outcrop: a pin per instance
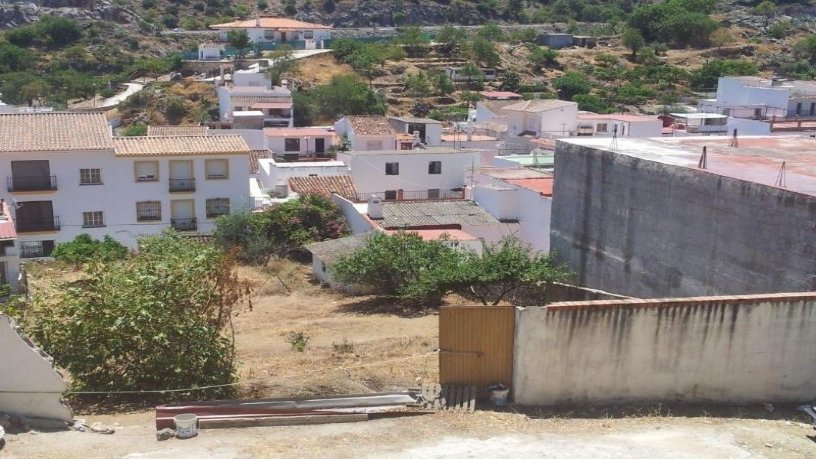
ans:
(19, 13)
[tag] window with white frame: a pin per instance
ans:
(146, 171)
(90, 176)
(391, 168)
(217, 207)
(93, 219)
(148, 211)
(217, 169)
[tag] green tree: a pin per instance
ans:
(503, 268)
(402, 265)
(706, 77)
(417, 85)
(592, 103)
(239, 39)
(442, 83)
(413, 41)
(157, 320)
(633, 40)
(174, 110)
(472, 73)
(805, 48)
(572, 83)
(491, 32)
(543, 57)
(510, 80)
(483, 51)
(84, 249)
(347, 95)
(13, 58)
(282, 229)
(452, 40)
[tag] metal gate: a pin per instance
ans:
(476, 345)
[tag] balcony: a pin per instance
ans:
(182, 185)
(33, 225)
(184, 224)
(32, 183)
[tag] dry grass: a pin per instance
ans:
(319, 69)
(347, 352)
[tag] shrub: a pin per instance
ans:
(298, 340)
(707, 76)
(572, 83)
(543, 57)
(84, 249)
(347, 95)
(137, 129)
(153, 321)
(174, 110)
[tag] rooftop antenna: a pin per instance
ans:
(614, 144)
(780, 178)
(734, 141)
(703, 163)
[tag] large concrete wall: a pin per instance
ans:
(646, 229)
(715, 349)
(29, 385)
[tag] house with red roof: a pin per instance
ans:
(298, 34)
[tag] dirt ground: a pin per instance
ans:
(349, 351)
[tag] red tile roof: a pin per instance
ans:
(254, 155)
(7, 229)
(543, 186)
(370, 125)
(324, 186)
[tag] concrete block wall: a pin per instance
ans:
(647, 229)
(730, 349)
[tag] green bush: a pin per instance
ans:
(347, 95)
(134, 130)
(572, 83)
(84, 249)
(543, 57)
(282, 230)
(707, 76)
(154, 321)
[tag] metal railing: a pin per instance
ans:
(30, 225)
(424, 195)
(184, 224)
(32, 183)
(182, 185)
(35, 250)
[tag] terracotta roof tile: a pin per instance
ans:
(172, 131)
(180, 145)
(54, 131)
(325, 185)
(370, 125)
(7, 229)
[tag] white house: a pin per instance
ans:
(620, 124)
(253, 92)
(67, 175)
(457, 74)
(430, 173)
(426, 130)
(699, 124)
(210, 51)
(762, 98)
(542, 118)
(273, 176)
(520, 195)
(372, 133)
(299, 34)
(299, 143)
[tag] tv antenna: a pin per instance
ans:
(780, 178)
(614, 144)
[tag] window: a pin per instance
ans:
(92, 219)
(812, 108)
(391, 168)
(217, 207)
(799, 108)
(601, 127)
(290, 144)
(308, 34)
(269, 35)
(433, 193)
(434, 167)
(217, 169)
(391, 195)
(148, 211)
(146, 171)
(36, 249)
(90, 176)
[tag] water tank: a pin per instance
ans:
(375, 208)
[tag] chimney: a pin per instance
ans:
(375, 208)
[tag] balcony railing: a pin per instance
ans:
(184, 224)
(182, 185)
(32, 183)
(32, 225)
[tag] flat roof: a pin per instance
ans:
(758, 159)
(628, 117)
(533, 160)
(503, 173)
(416, 151)
(692, 116)
(544, 186)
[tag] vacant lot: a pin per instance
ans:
(349, 350)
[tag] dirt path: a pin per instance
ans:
(483, 434)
